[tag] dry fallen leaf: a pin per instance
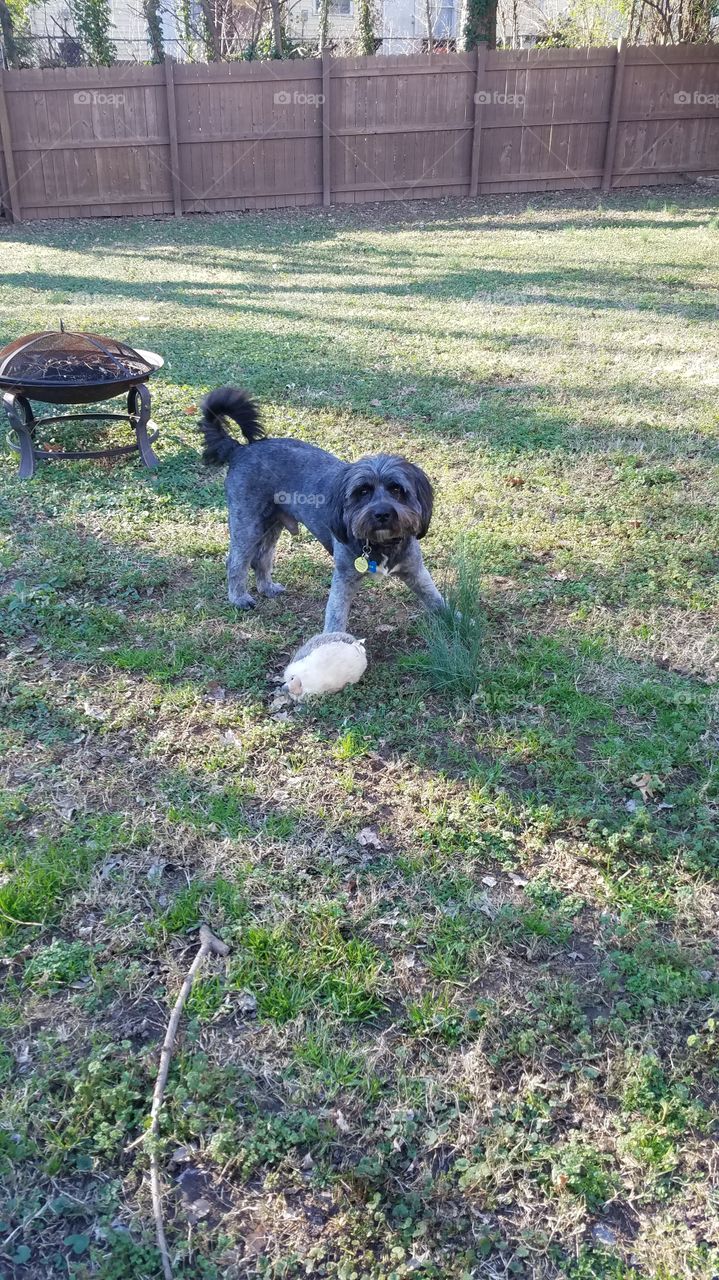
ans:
(94, 713)
(646, 783)
(490, 881)
(367, 836)
(181, 1155)
(191, 410)
(280, 700)
(246, 1003)
(604, 1234)
(255, 1244)
(199, 1209)
(65, 808)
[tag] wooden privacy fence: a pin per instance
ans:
(87, 142)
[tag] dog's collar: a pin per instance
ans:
(369, 561)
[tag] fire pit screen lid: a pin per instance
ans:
(71, 359)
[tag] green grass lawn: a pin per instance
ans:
(485, 1043)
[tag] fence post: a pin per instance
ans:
(13, 192)
(172, 135)
(480, 65)
(611, 147)
(326, 132)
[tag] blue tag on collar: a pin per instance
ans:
(372, 566)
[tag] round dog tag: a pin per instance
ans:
(361, 564)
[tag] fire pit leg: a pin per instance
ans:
(22, 421)
(138, 408)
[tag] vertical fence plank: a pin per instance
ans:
(611, 147)
(13, 193)
(481, 61)
(172, 135)
(326, 130)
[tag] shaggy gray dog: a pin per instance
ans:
(368, 514)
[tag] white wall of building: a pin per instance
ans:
(128, 31)
(402, 23)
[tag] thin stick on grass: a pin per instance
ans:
(208, 943)
(22, 1226)
(26, 924)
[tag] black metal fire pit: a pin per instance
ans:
(75, 368)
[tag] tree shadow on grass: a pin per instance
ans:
(509, 418)
(592, 288)
(558, 730)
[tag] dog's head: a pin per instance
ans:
(381, 499)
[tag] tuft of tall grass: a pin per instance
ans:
(453, 661)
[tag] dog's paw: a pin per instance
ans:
(272, 589)
(243, 601)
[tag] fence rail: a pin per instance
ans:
(187, 138)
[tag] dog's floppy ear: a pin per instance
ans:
(425, 495)
(335, 509)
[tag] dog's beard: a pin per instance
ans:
(404, 523)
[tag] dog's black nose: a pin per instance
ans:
(382, 515)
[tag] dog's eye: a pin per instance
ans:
(362, 491)
(397, 491)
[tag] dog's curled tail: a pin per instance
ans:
(228, 402)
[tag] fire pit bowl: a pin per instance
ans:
(75, 368)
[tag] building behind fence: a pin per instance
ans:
(401, 25)
(52, 40)
(175, 139)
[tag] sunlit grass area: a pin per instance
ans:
(469, 1022)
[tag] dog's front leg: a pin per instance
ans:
(414, 572)
(345, 581)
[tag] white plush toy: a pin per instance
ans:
(325, 664)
